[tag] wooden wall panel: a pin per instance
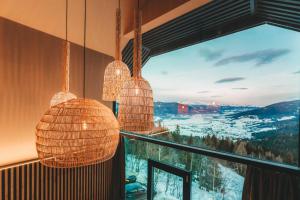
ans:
(37, 182)
(30, 74)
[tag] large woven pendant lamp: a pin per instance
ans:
(77, 132)
(64, 95)
(136, 99)
(116, 72)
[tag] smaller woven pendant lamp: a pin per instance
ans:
(64, 95)
(116, 72)
(77, 132)
(136, 98)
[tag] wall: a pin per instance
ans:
(36, 182)
(30, 74)
(49, 16)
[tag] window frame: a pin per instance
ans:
(185, 175)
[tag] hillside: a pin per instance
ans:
(281, 109)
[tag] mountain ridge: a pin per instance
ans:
(284, 108)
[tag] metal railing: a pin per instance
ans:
(263, 164)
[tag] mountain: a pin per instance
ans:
(165, 108)
(281, 109)
(161, 108)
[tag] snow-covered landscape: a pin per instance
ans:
(222, 123)
(248, 124)
(217, 124)
(233, 183)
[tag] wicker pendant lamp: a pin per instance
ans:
(64, 95)
(136, 98)
(77, 132)
(116, 72)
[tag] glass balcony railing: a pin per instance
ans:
(214, 175)
(211, 178)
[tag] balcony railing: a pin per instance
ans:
(208, 168)
(265, 164)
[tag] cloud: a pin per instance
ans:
(215, 96)
(260, 57)
(296, 72)
(240, 88)
(229, 80)
(210, 55)
(203, 92)
(164, 72)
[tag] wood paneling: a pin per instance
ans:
(28, 182)
(30, 74)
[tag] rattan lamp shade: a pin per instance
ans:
(136, 98)
(76, 133)
(136, 106)
(115, 75)
(61, 97)
(116, 72)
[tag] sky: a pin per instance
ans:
(258, 66)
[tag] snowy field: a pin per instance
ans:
(218, 124)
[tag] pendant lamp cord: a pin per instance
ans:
(139, 39)
(66, 65)
(137, 59)
(84, 51)
(118, 55)
(67, 9)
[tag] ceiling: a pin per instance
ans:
(49, 16)
(216, 19)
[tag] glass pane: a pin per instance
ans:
(239, 93)
(167, 186)
(211, 178)
(136, 171)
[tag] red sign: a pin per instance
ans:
(183, 108)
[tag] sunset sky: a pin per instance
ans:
(259, 66)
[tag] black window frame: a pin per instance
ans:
(185, 175)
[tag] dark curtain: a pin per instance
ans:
(263, 184)
(118, 182)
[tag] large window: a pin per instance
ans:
(239, 93)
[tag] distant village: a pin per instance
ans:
(179, 108)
